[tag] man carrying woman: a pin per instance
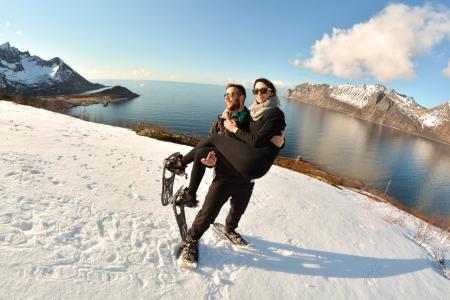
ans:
(242, 154)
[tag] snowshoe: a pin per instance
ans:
(237, 241)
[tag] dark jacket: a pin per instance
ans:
(260, 132)
(242, 119)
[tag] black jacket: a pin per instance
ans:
(261, 131)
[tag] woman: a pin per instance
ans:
(250, 153)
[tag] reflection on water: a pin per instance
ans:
(417, 168)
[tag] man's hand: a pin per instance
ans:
(226, 114)
(278, 140)
(231, 125)
(210, 160)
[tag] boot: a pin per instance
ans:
(175, 164)
(186, 199)
(188, 251)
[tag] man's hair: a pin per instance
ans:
(240, 88)
(266, 82)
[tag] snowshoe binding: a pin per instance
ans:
(172, 166)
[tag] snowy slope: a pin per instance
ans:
(23, 68)
(81, 218)
(436, 116)
(357, 96)
(360, 95)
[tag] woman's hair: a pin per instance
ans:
(266, 82)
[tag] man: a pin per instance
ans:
(227, 183)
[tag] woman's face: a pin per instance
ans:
(258, 91)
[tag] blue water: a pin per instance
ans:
(417, 168)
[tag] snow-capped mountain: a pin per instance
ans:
(20, 72)
(378, 104)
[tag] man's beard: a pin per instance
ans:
(233, 106)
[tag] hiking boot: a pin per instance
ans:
(233, 236)
(186, 199)
(189, 251)
(174, 164)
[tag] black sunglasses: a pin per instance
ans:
(263, 91)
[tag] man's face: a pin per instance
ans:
(232, 99)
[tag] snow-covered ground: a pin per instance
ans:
(81, 218)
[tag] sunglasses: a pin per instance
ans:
(231, 95)
(263, 91)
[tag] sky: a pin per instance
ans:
(402, 45)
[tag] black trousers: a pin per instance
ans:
(223, 168)
(219, 192)
(249, 161)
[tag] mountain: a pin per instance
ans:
(20, 72)
(380, 105)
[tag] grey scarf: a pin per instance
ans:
(258, 110)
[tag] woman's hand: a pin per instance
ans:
(226, 114)
(278, 140)
(231, 125)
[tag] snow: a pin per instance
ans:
(357, 96)
(5, 46)
(81, 218)
(435, 117)
(54, 70)
(33, 72)
(430, 119)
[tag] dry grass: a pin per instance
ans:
(55, 106)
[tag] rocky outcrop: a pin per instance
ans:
(114, 94)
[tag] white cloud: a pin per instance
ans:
(295, 62)
(7, 23)
(446, 71)
(384, 47)
(282, 84)
(19, 33)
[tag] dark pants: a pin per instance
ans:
(223, 168)
(218, 194)
(198, 168)
(249, 161)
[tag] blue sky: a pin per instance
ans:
(219, 41)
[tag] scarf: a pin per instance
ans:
(259, 110)
(241, 117)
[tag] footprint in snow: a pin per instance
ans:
(92, 186)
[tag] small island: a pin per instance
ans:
(114, 94)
